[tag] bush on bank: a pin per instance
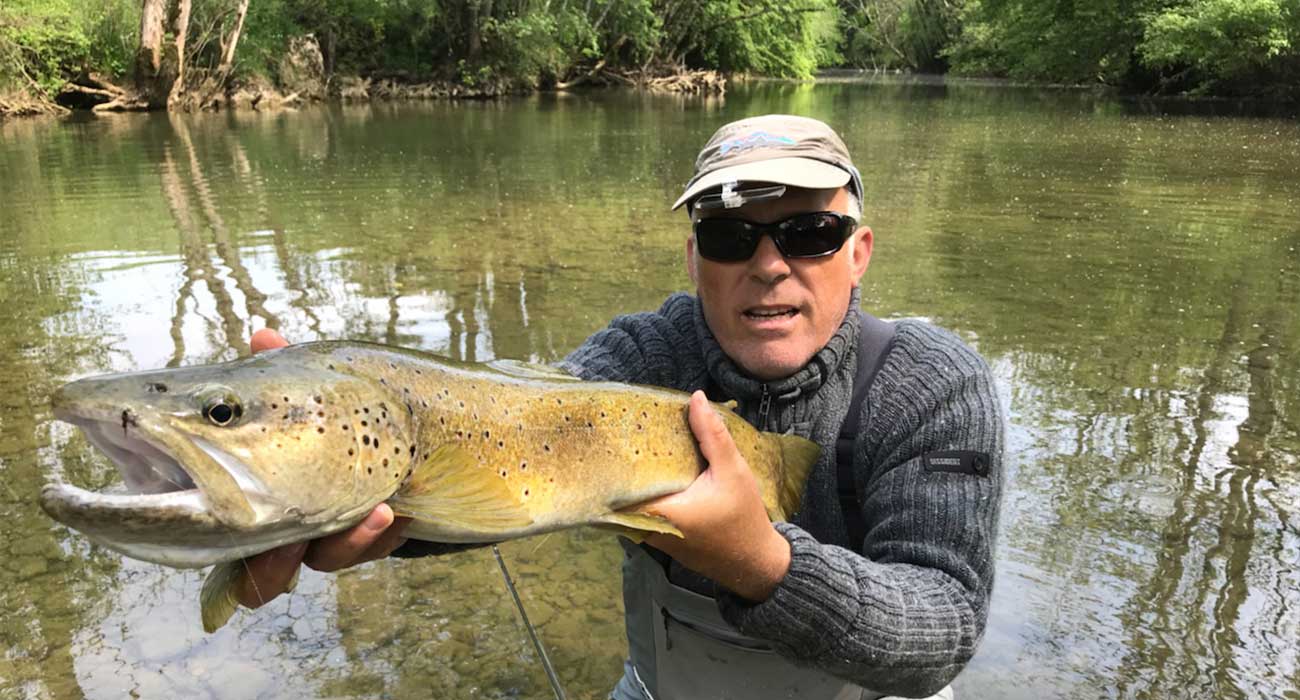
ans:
(1222, 47)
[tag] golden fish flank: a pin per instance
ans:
(224, 461)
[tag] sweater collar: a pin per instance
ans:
(740, 385)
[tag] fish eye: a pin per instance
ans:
(221, 408)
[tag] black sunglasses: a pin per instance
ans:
(810, 235)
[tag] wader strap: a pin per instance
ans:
(875, 338)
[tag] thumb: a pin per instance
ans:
(266, 339)
(715, 441)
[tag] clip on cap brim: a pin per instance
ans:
(731, 198)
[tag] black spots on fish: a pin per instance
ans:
(365, 439)
(331, 366)
(370, 470)
(397, 450)
(385, 461)
(526, 492)
(590, 425)
(523, 466)
(546, 447)
(320, 429)
(345, 426)
(317, 398)
(383, 381)
(501, 444)
(603, 415)
(376, 443)
(493, 399)
(559, 402)
(351, 452)
(348, 359)
(410, 410)
(419, 373)
(636, 452)
(391, 365)
(462, 404)
(365, 409)
(644, 414)
(503, 473)
(275, 406)
(460, 434)
(487, 434)
(412, 450)
(264, 428)
(566, 418)
(519, 428)
(639, 427)
(442, 420)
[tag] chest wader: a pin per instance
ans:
(679, 646)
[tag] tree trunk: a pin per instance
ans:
(160, 59)
(228, 43)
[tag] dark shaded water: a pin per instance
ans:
(1133, 279)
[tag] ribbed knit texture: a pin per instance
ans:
(902, 611)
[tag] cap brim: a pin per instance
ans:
(795, 172)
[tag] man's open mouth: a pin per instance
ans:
(773, 312)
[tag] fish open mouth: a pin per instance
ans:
(146, 468)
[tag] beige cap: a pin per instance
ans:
(776, 148)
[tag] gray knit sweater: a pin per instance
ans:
(902, 611)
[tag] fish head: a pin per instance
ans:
(227, 460)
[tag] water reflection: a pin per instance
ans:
(1133, 279)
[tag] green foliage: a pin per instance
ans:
(1065, 41)
(43, 42)
(908, 34)
(1221, 39)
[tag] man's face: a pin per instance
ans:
(771, 314)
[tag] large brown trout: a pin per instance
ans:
(220, 462)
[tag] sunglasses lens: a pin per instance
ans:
(725, 240)
(814, 235)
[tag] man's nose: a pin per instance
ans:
(768, 265)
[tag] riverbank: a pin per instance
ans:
(95, 93)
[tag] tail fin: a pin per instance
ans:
(798, 455)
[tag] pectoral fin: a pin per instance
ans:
(217, 600)
(635, 526)
(456, 493)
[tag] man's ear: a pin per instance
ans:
(859, 253)
(691, 267)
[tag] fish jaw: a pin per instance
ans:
(184, 502)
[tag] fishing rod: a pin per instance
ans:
(532, 633)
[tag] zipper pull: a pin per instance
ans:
(764, 407)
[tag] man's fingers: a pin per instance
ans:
(268, 574)
(392, 538)
(710, 431)
(346, 548)
(266, 339)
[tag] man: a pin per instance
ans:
(880, 584)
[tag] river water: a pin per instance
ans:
(1132, 276)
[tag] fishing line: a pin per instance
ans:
(532, 633)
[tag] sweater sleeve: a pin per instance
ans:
(904, 616)
(644, 348)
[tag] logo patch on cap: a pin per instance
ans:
(757, 139)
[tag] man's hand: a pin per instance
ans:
(728, 537)
(269, 573)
